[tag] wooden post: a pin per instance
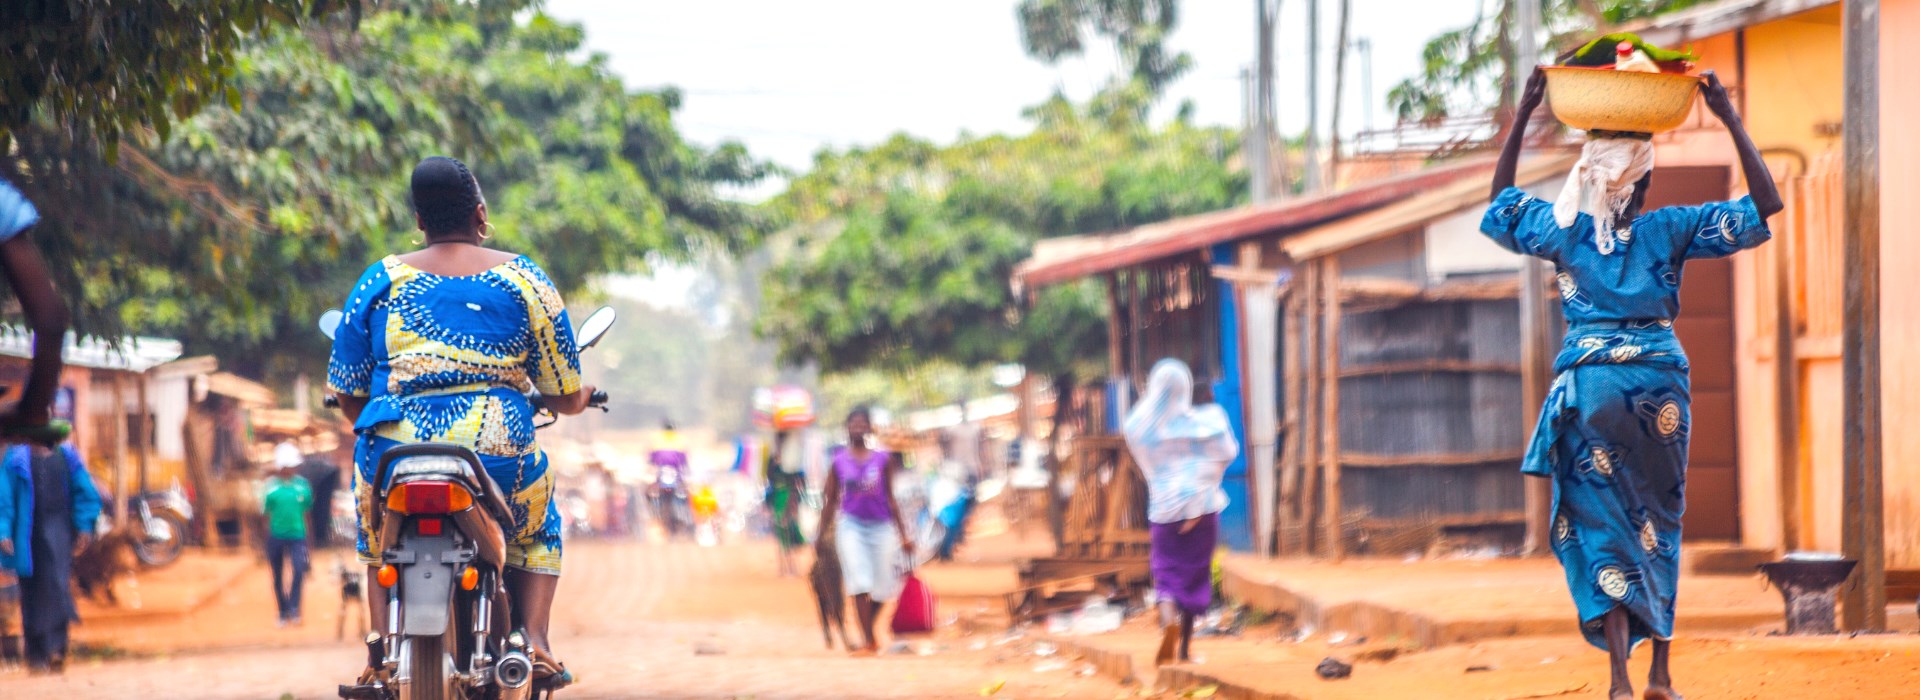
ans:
(1290, 403)
(1116, 359)
(1330, 415)
(1787, 371)
(1310, 408)
(144, 433)
(1863, 535)
(120, 483)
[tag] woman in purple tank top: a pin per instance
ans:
(868, 526)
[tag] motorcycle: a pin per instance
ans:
(442, 566)
(161, 523)
(671, 503)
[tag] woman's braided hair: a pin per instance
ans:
(444, 195)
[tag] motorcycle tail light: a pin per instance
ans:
(430, 526)
(428, 497)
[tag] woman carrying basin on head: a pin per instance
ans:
(443, 344)
(1613, 432)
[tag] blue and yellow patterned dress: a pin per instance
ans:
(1613, 432)
(451, 359)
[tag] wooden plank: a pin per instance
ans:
(1511, 517)
(1825, 348)
(1429, 366)
(1864, 532)
(1310, 409)
(1786, 378)
(1290, 428)
(1330, 425)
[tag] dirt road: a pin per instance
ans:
(635, 620)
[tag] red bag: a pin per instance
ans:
(914, 614)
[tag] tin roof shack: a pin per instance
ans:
(1182, 288)
(1400, 405)
(112, 396)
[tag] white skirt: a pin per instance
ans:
(869, 557)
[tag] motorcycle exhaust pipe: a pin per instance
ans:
(514, 674)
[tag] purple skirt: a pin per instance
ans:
(1183, 564)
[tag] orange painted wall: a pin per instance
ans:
(1900, 288)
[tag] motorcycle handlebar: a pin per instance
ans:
(598, 399)
(331, 401)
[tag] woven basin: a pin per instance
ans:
(1611, 100)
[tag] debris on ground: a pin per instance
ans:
(1333, 669)
(993, 689)
(1049, 666)
(1482, 668)
(1045, 649)
(706, 648)
(1381, 654)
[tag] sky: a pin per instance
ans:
(788, 78)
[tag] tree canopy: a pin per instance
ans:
(1051, 30)
(1468, 70)
(903, 250)
(235, 227)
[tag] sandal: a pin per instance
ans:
(549, 670)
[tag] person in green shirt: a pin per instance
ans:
(287, 500)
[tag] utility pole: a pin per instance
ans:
(1313, 96)
(1270, 173)
(1256, 142)
(1863, 505)
(1339, 91)
(1536, 356)
(1364, 46)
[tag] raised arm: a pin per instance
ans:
(1503, 172)
(26, 273)
(1766, 197)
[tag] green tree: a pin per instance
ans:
(107, 68)
(903, 251)
(1051, 30)
(236, 228)
(1469, 70)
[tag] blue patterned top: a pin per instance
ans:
(1639, 282)
(451, 359)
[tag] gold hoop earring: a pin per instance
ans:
(486, 232)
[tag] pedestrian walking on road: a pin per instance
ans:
(48, 510)
(786, 483)
(1183, 450)
(869, 531)
(288, 502)
(1613, 433)
(323, 476)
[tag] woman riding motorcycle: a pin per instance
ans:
(443, 344)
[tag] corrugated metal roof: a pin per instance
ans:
(1415, 211)
(1676, 29)
(1063, 259)
(136, 354)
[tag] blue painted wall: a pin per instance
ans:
(1236, 522)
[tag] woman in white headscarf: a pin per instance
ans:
(1613, 433)
(1183, 451)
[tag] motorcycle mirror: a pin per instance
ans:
(330, 322)
(595, 327)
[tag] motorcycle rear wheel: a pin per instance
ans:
(427, 669)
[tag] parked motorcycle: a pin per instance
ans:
(670, 502)
(161, 521)
(444, 554)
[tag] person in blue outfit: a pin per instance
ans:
(48, 509)
(444, 344)
(1613, 432)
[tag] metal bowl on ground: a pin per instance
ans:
(1604, 99)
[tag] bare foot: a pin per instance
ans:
(863, 652)
(1661, 692)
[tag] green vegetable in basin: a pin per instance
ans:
(1600, 52)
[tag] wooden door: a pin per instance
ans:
(1705, 328)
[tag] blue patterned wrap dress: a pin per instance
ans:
(1612, 434)
(451, 359)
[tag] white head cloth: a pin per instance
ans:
(1182, 449)
(1601, 185)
